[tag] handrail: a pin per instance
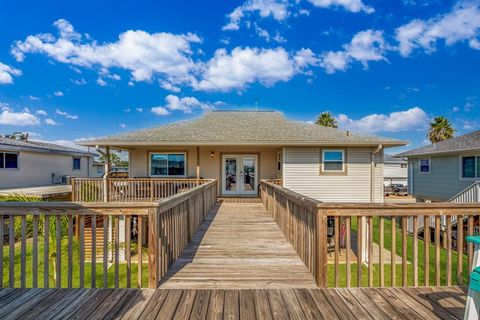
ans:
(465, 194)
(103, 230)
(316, 228)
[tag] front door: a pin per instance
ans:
(239, 174)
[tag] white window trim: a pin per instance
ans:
(343, 160)
(73, 162)
(429, 165)
(9, 152)
(460, 167)
(166, 176)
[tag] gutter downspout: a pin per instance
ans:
(372, 173)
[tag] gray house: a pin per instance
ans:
(445, 170)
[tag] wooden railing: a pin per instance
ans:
(130, 189)
(373, 240)
(47, 241)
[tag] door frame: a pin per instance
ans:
(239, 157)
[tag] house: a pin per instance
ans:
(26, 163)
(440, 171)
(394, 170)
(241, 147)
(98, 169)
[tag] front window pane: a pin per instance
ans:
(76, 164)
(11, 160)
(478, 167)
(333, 156)
(468, 167)
(231, 174)
(2, 164)
(176, 164)
(159, 164)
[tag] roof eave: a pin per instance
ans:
(120, 144)
(444, 152)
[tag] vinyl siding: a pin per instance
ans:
(442, 183)
(35, 169)
(394, 173)
(301, 171)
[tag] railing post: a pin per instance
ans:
(189, 219)
(153, 256)
(321, 248)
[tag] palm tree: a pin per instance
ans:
(326, 119)
(440, 129)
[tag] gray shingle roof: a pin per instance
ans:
(388, 158)
(467, 142)
(241, 127)
(38, 146)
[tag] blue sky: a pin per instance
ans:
(72, 71)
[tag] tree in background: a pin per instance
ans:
(115, 160)
(326, 119)
(440, 129)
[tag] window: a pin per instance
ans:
(8, 160)
(167, 164)
(424, 165)
(99, 169)
(470, 167)
(333, 160)
(76, 163)
(279, 161)
(403, 165)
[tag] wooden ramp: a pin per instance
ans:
(239, 246)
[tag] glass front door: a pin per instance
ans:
(239, 174)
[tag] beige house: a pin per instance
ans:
(25, 163)
(241, 147)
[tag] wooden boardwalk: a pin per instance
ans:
(359, 303)
(239, 246)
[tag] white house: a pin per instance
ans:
(395, 170)
(25, 163)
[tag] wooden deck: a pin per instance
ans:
(238, 246)
(359, 303)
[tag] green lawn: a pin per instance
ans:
(76, 270)
(398, 272)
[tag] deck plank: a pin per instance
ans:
(345, 303)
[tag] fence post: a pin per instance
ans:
(153, 256)
(321, 248)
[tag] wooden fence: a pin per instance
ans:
(129, 189)
(46, 241)
(373, 241)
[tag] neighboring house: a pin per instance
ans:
(25, 163)
(241, 147)
(394, 170)
(98, 169)
(440, 171)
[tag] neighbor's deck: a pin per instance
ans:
(238, 246)
(359, 303)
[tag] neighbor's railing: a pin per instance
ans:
(369, 244)
(129, 189)
(98, 244)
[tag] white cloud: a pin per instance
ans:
(186, 104)
(461, 24)
(9, 117)
(242, 66)
(66, 114)
(34, 98)
(160, 111)
(277, 9)
(455, 109)
(122, 125)
(50, 122)
(79, 82)
(168, 86)
(408, 120)
(7, 73)
(138, 109)
(101, 82)
(41, 112)
(144, 54)
(349, 5)
(365, 46)
(58, 93)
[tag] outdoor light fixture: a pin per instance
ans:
(212, 154)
